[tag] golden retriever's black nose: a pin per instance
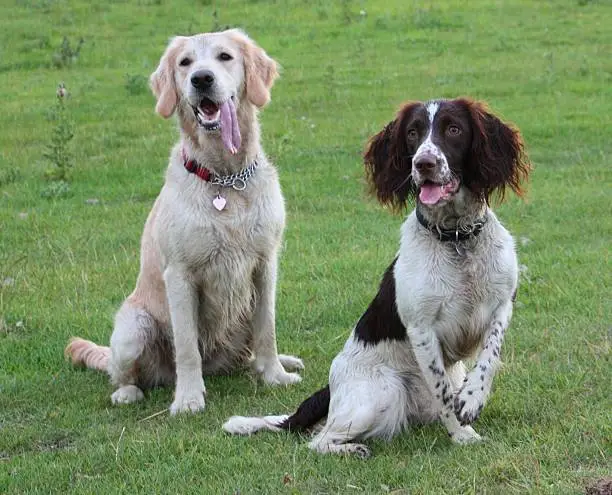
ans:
(202, 79)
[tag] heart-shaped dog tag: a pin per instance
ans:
(219, 202)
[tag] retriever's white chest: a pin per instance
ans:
(248, 227)
(220, 250)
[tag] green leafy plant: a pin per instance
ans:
(58, 152)
(67, 54)
(9, 176)
(56, 189)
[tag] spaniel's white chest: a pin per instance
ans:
(454, 291)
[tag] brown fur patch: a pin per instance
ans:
(498, 159)
(162, 80)
(260, 70)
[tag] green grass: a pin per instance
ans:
(67, 263)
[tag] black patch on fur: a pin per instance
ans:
(310, 412)
(381, 320)
(435, 370)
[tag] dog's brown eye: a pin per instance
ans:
(225, 56)
(453, 130)
(185, 62)
(412, 134)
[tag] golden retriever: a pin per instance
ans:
(204, 301)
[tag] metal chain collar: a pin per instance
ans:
(237, 181)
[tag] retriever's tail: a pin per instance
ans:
(310, 412)
(85, 353)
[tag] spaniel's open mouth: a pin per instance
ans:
(208, 114)
(431, 192)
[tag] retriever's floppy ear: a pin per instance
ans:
(162, 80)
(259, 69)
(388, 163)
(498, 159)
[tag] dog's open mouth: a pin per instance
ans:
(208, 114)
(431, 192)
(212, 116)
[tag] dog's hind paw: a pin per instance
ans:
(127, 395)
(465, 435)
(281, 378)
(353, 449)
(291, 363)
(242, 425)
(358, 450)
(273, 373)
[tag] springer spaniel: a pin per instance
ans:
(446, 297)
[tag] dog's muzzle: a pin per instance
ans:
(207, 114)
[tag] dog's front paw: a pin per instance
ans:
(468, 405)
(188, 402)
(465, 435)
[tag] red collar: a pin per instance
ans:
(194, 167)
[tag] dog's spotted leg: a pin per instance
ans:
(428, 354)
(183, 300)
(267, 362)
(473, 395)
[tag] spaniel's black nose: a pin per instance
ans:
(425, 162)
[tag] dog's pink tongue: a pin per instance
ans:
(230, 132)
(430, 194)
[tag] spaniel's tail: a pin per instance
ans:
(310, 412)
(85, 353)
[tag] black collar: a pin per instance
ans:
(455, 235)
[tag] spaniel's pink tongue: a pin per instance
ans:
(230, 132)
(430, 193)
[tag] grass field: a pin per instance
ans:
(68, 260)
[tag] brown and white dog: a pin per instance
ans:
(204, 302)
(446, 297)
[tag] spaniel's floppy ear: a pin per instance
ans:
(388, 163)
(260, 71)
(162, 80)
(498, 159)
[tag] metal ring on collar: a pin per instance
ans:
(239, 184)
